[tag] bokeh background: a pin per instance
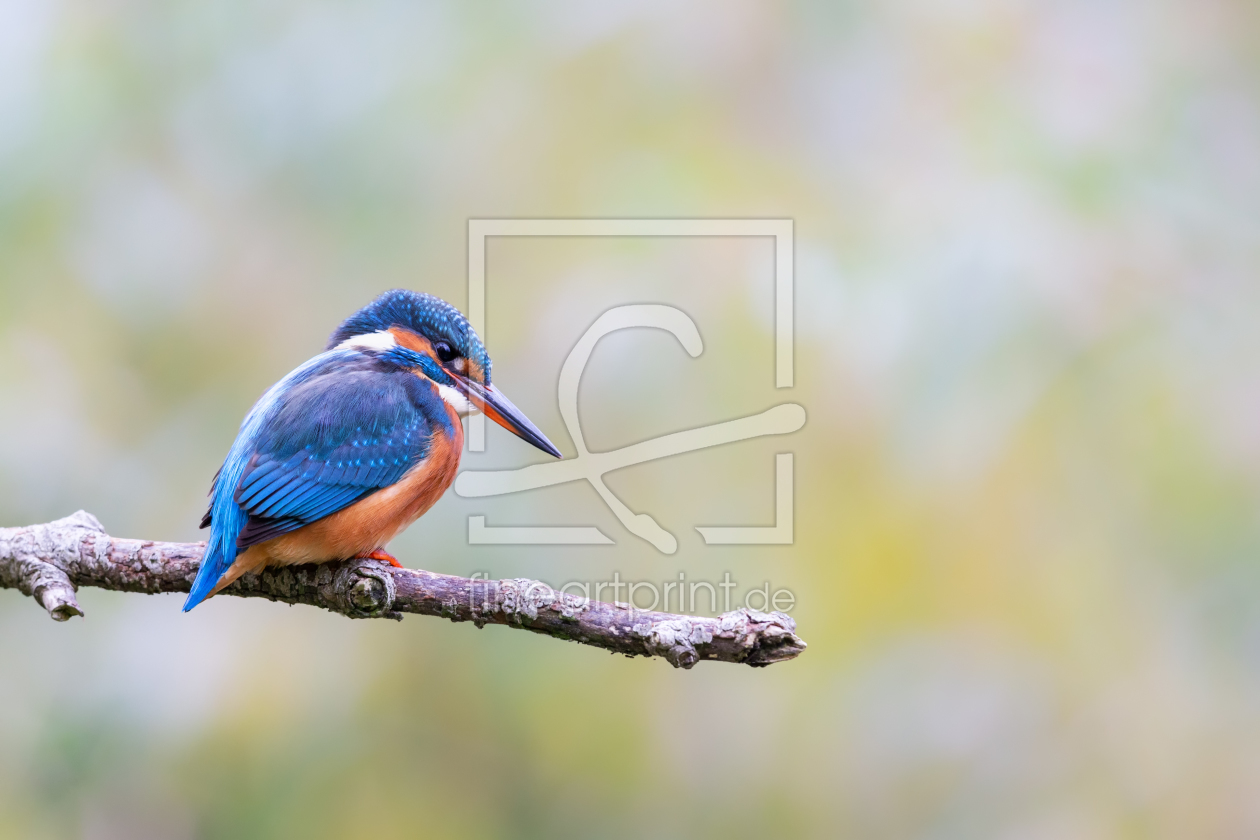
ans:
(1028, 344)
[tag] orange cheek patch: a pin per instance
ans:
(412, 341)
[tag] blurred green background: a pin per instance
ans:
(1027, 342)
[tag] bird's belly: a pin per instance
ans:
(370, 523)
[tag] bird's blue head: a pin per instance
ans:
(430, 318)
(432, 339)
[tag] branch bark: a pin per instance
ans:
(50, 562)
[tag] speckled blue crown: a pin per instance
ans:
(429, 316)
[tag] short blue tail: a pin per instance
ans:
(212, 568)
(226, 520)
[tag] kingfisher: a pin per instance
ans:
(349, 449)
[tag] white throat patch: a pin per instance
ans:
(455, 399)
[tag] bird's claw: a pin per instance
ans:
(382, 554)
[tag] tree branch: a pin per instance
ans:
(50, 562)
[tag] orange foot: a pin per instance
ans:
(382, 554)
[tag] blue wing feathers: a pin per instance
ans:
(337, 429)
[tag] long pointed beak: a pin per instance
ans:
(491, 401)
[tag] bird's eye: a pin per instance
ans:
(444, 351)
